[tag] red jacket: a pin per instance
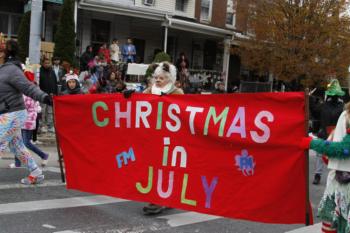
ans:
(106, 54)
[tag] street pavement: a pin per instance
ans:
(51, 208)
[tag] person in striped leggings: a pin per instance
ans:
(13, 84)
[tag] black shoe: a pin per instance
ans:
(152, 209)
(317, 179)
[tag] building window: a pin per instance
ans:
(4, 22)
(15, 22)
(100, 33)
(231, 13)
(148, 2)
(180, 5)
(206, 8)
(9, 23)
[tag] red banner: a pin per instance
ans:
(233, 155)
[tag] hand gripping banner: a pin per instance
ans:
(232, 155)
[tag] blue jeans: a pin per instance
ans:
(27, 136)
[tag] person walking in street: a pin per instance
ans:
(13, 84)
(334, 207)
(129, 52)
(115, 51)
(330, 111)
(32, 107)
(48, 84)
(165, 78)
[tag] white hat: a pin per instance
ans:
(168, 69)
(71, 76)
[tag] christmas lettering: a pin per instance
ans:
(234, 119)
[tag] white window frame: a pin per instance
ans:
(250, 32)
(209, 14)
(184, 6)
(233, 25)
(232, 11)
(148, 4)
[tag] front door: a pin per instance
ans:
(140, 50)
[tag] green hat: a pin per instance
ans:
(334, 89)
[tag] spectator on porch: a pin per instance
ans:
(115, 51)
(182, 66)
(105, 51)
(86, 58)
(182, 59)
(129, 52)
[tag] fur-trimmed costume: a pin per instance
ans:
(334, 208)
(169, 71)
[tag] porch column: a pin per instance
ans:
(75, 15)
(35, 31)
(165, 46)
(226, 62)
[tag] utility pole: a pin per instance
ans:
(35, 31)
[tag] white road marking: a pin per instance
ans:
(175, 220)
(52, 169)
(308, 229)
(67, 231)
(29, 206)
(47, 183)
(48, 226)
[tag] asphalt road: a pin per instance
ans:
(52, 208)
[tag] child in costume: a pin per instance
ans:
(330, 111)
(29, 126)
(334, 208)
(72, 84)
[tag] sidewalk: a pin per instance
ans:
(47, 139)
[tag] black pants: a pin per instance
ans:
(35, 132)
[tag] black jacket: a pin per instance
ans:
(47, 81)
(329, 114)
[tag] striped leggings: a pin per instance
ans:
(10, 136)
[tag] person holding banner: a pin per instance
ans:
(334, 208)
(13, 84)
(330, 111)
(165, 78)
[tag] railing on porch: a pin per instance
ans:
(255, 87)
(204, 79)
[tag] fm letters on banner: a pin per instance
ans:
(235, 155)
